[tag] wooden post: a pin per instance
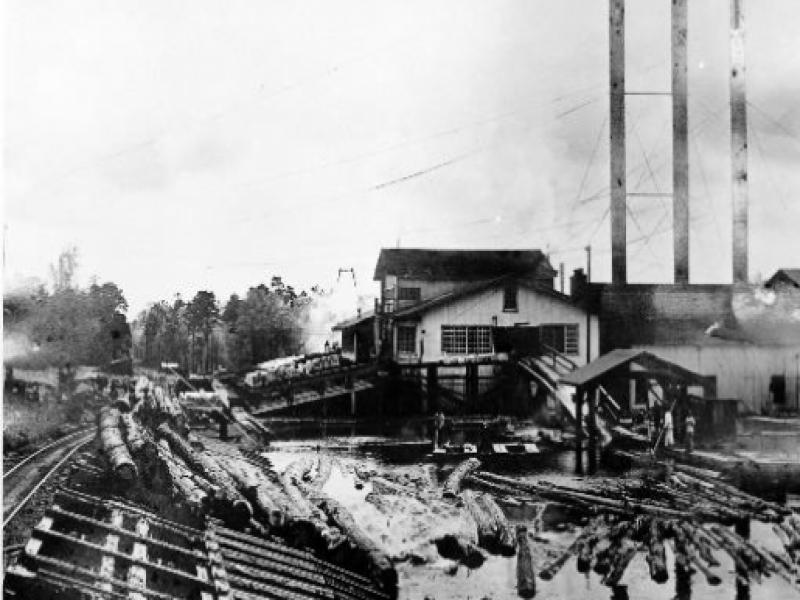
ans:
(578, 397)
(616, 64)
(432, 376)
(472, 380)
(591, 397)
(738, 143)
(680, 143)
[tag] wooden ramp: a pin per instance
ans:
(309, 396)
(87, 546)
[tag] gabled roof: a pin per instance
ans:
(461, 265)
(470, 289)
(784, 275)
(606, 363)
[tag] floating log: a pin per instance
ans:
(551, 568)
(308, 522)
(620, 559)
(452, 485)
(460, 549)
(380, 567)
(656, 555)
(526, 575)
(385, 486)
(505, 540)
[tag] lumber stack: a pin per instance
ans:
(113, 444)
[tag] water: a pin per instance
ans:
(411, 525)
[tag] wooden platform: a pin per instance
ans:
(310, 396)
(86, 546)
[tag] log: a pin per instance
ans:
(551, 568)
(487, 533)
(711, 577)
(505, 540)
(255, 490)
(620, 559)
(382, 485)
(656, 555)
(452, 485)
(526, 575)
(308, 522)
(237, 509)
(380, 566)
(113, 445)
(460, 549)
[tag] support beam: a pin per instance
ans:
(680, 142)
(578, 398)
(616, 42)
(738, 144)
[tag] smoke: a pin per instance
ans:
(17, 345)
(340, 303)
(767, 316)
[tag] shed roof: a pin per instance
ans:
(784, 275)
(606, 363)
(461, 265)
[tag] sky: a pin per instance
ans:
(210, 145)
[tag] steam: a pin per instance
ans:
(340, 303)
(768, 316)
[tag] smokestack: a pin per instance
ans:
(561, 275)
(738, 143)
(616, 66)
(680, 143)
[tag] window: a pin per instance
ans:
(409, 293)
(406, 339)
(510, 298)
(563, 338)
(466, 339)
(388, 306)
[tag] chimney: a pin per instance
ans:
(618, 210)
(577, 283)
(680, 143)
(561, 276)
(358, 313)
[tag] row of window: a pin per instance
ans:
(477, 339)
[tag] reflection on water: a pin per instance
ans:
(387, 445)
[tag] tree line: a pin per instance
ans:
(67, 325)
(200, 335)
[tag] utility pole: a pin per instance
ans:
(738, 99)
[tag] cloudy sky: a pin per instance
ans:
(209, 145)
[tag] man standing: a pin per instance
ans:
(690, 423)
(669, 435)
(438, 428)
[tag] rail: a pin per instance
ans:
(559, 358)
(33, 455)
(55, 468)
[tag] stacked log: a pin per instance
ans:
(380, 566)
(237, 509)
(452, 485)
(656, 554)
(113, 445)
(257, 490)
(526, 575)
(184, 485)
(309, 522)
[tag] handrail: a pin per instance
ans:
(559, 356)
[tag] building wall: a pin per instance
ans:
(533, 309)
(743, 371)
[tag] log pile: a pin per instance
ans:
(113, 444)
(235, 507)
(689, 512)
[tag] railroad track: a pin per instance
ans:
(23, 480)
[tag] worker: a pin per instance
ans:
(690, 423)
(669, 434)
(485, 442)
(439, 421)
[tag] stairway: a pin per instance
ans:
(548, 370)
